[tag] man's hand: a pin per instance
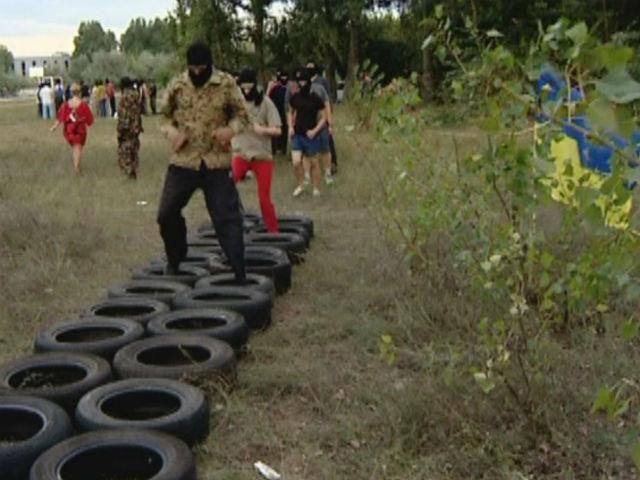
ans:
(175, 137)
(223, 136)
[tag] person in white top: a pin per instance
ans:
(48, 101)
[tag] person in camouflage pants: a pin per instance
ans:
(203, 110)
(129, 128)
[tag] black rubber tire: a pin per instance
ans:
(253, 305)
(297, 219)
(99, 336)
(73, 374)
(292, 243)
(117, 454)
(160, 290)
(28, 427)
(196, 258)
(287, 228)
(225, 325)
(146, 403)
(249, 222)
(258, 282)
(195, 241)
(268, 261)
(187, 274)
(177, 357)
(207, 233)
(139, 309)
(271, 262)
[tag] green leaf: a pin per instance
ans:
(546, 259)
(427, 42)
(619, 87)
(578, 34)
(484, 381)
(605, 401)
(636, 455)
(601, 114)
(611, 57)
(439, 11)
(629, 329)
(493, 33)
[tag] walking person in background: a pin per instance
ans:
(203, 110)
(85, 93)
(277, 94)
(101, 98)
(111, 96)
(252, 149)
(330, 160)
(153, 93)
(306, 119)
(128, 128)
(75, 116)
(144, 93)
(58, 94)
(39, 99)
(47, 99)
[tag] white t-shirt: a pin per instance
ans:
(46, 95)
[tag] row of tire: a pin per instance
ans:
(64, 417)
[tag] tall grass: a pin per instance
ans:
(316, 399)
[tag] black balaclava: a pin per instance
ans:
(249, 76)
(283, 77)
(126, 83)
(200, 54)
(304, 75)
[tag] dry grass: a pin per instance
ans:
(315, 398)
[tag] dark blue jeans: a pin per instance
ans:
(223, 205)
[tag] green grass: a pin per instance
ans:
(315, 399)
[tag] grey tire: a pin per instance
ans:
(149, 403)
(176, 357)
(98, 336)
(28, 427)
(117, 454)
(61, 377)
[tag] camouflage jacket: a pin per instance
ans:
(197, 112)
(129, 115)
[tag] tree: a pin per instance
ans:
(6, 59)
(92, 38)
(214, 22)
(153, 36)
(257, 9)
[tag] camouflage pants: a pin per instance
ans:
(128, 155)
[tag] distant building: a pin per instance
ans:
(23, 65)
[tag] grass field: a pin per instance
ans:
(316, 400)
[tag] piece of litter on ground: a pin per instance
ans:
(141, 202)
(266, 471)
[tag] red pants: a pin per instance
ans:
(264, 172)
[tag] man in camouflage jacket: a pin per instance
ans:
(129, 128)
(203, 110)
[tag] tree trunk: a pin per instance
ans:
(331, 77)
(427, 79)
(353, 60)
(259, 44)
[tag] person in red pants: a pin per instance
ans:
(252, 148)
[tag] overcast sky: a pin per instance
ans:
(43, 27)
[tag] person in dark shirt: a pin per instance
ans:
(277, 95)
(306, 119)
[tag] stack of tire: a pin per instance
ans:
(113, 393)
